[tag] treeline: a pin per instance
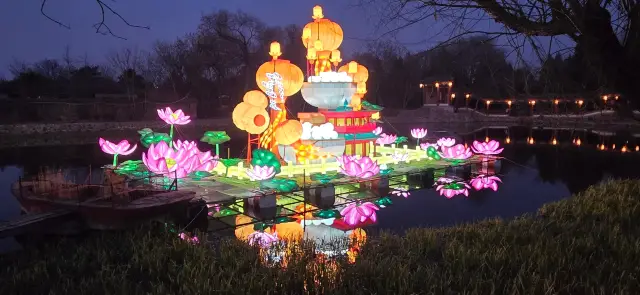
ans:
(216, 64)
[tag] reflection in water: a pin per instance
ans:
(540, 166)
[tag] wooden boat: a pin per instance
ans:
(112, 205)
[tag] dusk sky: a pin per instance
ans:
(29, 36)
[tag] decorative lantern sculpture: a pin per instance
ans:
(324, 37)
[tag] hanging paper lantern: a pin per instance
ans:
(256, 98)
(359, 72)
(288, 132)
(324, 30)
(292, 77)
(250, 118)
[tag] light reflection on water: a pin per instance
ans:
(532, 175)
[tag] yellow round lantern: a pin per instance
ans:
(361, 74)
(256, 98)
(356, 100)
(250, 118)
(288, 132)
(292, 76)
(324, 30)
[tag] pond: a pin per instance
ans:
(539, 166)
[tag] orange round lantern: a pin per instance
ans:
(288, 132)
(361, 74)
(250, 118)
(256, 98)
(292, 77)
(324, 30)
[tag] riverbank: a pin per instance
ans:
(586, 244)
(425, 115)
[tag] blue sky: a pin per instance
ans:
(29, 36)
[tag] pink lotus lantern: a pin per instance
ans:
(162, 159)
(122, 148)
(450, 188)
(446, 142)
(386, 139)
(262, 239)
(426, 145)
(400, 157)
(192, 240)
(418, 133)
(487, 148)
(401, 192)
(257, 173)
(185, 145)
(377, 131)
(482, 182)
(354, 214)
(173, 118)
(456, 152)
(360, 167)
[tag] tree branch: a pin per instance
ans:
(101, 27)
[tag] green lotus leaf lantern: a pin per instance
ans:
(433, 153)
(215, 138)
(229, 163)
(280, 185)
(384, 202)
(262, 157)
(401, 139)
(148, 137)
(326, 213)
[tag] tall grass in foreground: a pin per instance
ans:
(588, 244)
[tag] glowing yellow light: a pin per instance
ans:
(274, 50)
(318, 45)
(488, 102)
(375, 116)
(486, 138)
(604, 97)
(437, 84)
(616, 97)
(578, 141)
(467, 95)
(453, 95)
(532, 102)
(556, 101)
(509, 103)
(421, 85)
(531, 141)
(507, 140)
(317, 12)
(613, 147)
(624, 149)
(554, 141)
(637, 148)
(311, 54)
(580, 102)
(450, 84)
(602, 147)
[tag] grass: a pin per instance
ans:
(587, 244)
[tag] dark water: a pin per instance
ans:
(531, 174)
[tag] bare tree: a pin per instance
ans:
(606, 32)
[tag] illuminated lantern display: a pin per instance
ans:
(288, 132)
(325, 37)
(250, 115)
(279, 79)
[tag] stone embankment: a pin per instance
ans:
(97, 127)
